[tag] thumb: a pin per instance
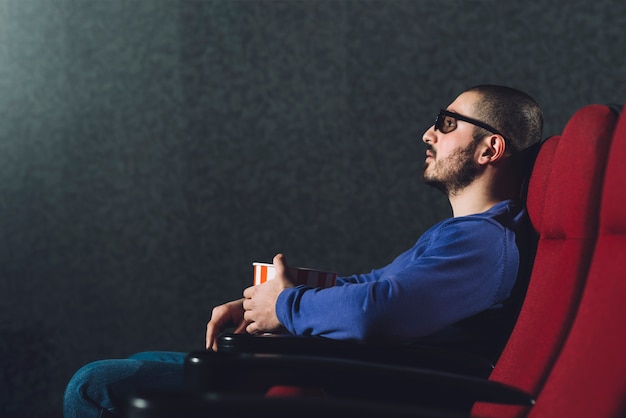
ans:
(280, 264)
(282, 269)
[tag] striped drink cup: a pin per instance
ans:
(309, 277)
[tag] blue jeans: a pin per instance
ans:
(93, 389)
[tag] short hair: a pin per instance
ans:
(515, 114)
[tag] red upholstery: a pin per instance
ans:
(589, 377)
(567, 226)
(539, 182)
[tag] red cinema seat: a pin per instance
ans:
(589, 376)
(564, 213)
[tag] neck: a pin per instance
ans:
(479, 196)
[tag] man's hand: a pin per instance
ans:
(225, 315)
(259, 301)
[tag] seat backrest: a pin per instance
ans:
(566, 223)
(589, 376)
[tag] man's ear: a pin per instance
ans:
(492, 149)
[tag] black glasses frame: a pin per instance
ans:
(443, 113)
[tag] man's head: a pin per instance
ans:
(485, 126)
(513, 113)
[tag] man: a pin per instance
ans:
(461, 267)
(447, 288)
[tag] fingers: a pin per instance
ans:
(249, 292)
(211, 334)
(241, 328)
(252, 328)
(222, 316)
(213, 329)
(247, 306)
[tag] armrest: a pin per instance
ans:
(172, 404)
(209, 371)
(413, 355)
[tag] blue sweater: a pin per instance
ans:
(460, 267)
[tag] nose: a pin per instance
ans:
(430, 137)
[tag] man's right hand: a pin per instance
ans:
(225, 315)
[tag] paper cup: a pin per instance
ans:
(309, 277)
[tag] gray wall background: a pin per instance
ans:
(151, 150)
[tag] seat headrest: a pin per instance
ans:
(577, 172)
(539, 179)
(613, 218)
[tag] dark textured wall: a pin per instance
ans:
(151, 150)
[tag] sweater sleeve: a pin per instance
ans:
(464, 266)
(361, 278)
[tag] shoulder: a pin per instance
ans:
(498, 220)
(505, 214)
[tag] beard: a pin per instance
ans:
(455, 172)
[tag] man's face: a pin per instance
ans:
(450, 163)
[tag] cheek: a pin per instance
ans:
(445, 148)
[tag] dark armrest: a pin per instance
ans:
(172, 404)
(209, 371)
(414, 355)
